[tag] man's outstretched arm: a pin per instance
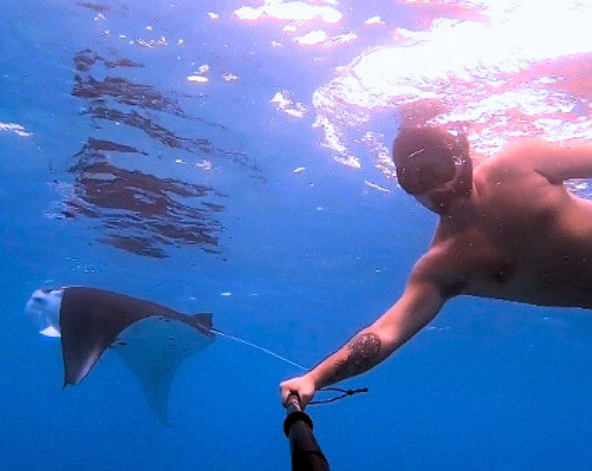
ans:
(419, 304)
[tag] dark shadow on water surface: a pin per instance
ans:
(136, 210)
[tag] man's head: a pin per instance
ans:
(434, 166)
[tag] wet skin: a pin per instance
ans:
(519, 236)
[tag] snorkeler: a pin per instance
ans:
(507, 230)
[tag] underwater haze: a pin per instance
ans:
(233, 157)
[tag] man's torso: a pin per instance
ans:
(526, 240)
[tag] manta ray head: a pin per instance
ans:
(43, 310)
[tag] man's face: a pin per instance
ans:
(441, 201)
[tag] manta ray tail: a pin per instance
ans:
(152, 339)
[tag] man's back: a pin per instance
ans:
(522, 236)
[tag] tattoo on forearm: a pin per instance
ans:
(362, 353)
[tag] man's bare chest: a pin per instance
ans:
(536, 273)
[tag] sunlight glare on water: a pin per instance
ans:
(521, 71)
(499, 69)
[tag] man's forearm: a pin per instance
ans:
(364, 351)
(418, 305)
(375, 343)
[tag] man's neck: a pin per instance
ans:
(463, 213)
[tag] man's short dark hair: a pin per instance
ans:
(425, 158)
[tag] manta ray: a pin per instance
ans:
(153, 339)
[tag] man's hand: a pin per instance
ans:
(304, 386)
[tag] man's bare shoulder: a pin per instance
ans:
(545, 161)
(523, 153)
(440, 267)
(515, 153)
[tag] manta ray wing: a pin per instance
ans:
(152, 339)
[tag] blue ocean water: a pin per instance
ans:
(118, 172)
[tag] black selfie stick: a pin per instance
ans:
(306, 452)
